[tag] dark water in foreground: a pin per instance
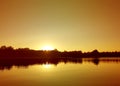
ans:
(89, 72)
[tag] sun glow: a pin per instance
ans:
(47, 48)
(47, 66)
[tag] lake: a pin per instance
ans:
(88, 72)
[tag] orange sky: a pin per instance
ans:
(64, 24)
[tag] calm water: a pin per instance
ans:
(105, 72)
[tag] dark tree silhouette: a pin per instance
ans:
(25, 57)
(26, 53)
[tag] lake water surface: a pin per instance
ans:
(105, 72)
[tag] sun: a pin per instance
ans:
(47, 48)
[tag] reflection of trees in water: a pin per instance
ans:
(23, 57)
(96, 61)
(8, 64)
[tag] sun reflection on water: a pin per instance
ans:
(47, 66)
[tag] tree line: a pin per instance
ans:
(8, 52)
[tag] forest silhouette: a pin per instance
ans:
(23, 57)
(26, 53)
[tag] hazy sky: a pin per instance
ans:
(64, 24)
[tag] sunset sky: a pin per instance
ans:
(64, 24)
